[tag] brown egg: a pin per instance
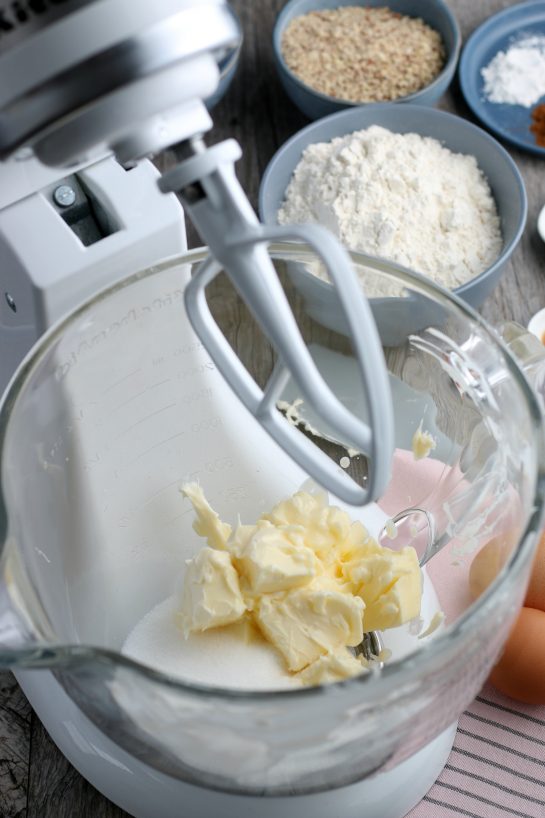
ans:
(535, 595)
(488, 563)
(490, 560)
(520, 672)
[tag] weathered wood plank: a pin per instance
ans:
(257, 113)
(15, 714)
(56, 789)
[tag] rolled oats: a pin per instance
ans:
(362, 54)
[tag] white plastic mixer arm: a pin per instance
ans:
(219, 208)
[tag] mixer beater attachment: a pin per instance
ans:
(217, 205)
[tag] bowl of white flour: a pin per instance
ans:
(421, 188)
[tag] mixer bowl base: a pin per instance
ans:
(146, 793)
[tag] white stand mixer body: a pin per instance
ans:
(45, 269)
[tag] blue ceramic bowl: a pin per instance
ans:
(397, 317)
(314, 104)
(497, 33)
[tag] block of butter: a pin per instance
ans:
(211, 595)
(388, 583)
(308, 577)
(310, 622)
(269, 561)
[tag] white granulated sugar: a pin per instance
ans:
(219, 657)
(517, 76)
(403, 197)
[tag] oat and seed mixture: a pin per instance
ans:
(362, 54)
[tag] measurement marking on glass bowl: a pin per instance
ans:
(120, 381)
(152, 497)
(155, 446)
(143, 420)
(173, 519)
(139, 394)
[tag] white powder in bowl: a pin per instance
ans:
(403, 197)
(516, 76)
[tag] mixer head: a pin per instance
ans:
(130, 77)
(122, 75)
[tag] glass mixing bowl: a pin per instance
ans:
(119, 404)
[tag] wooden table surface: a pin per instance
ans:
(35, 779)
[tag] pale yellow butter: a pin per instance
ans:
(436, 621)
(211, 593)
(208, 523)
(332, 667)
(390, 584)
(309, 622)
(308, 577)
(422, 443)
(270, 562)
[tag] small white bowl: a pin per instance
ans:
(537, 324)
(541, 223)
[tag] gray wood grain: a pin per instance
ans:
(15, 720)
(35, 780)
(55, 788)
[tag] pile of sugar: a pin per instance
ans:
(219, 657)
(403, 197)
(516, 76)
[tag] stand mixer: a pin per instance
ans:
(119, 402)
(130, 78)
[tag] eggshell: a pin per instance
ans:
(487, 564)
(520, 672)
(490, 560)
(535, 595)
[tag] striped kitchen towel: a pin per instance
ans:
(497, 766)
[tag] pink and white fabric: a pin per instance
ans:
(497, 766)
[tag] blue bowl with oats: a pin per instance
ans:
(314, 104)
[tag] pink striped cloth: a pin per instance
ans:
(497, 766)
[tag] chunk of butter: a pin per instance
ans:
(390, 584)
(332, 667)
(307, 623)
(211, 593)
(208, 523)
(270, 562)
(307, 576)
(422, 443)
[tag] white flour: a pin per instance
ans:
(517, 75)
(403, 197)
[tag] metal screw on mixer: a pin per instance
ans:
(11, 303)
(64, 196)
